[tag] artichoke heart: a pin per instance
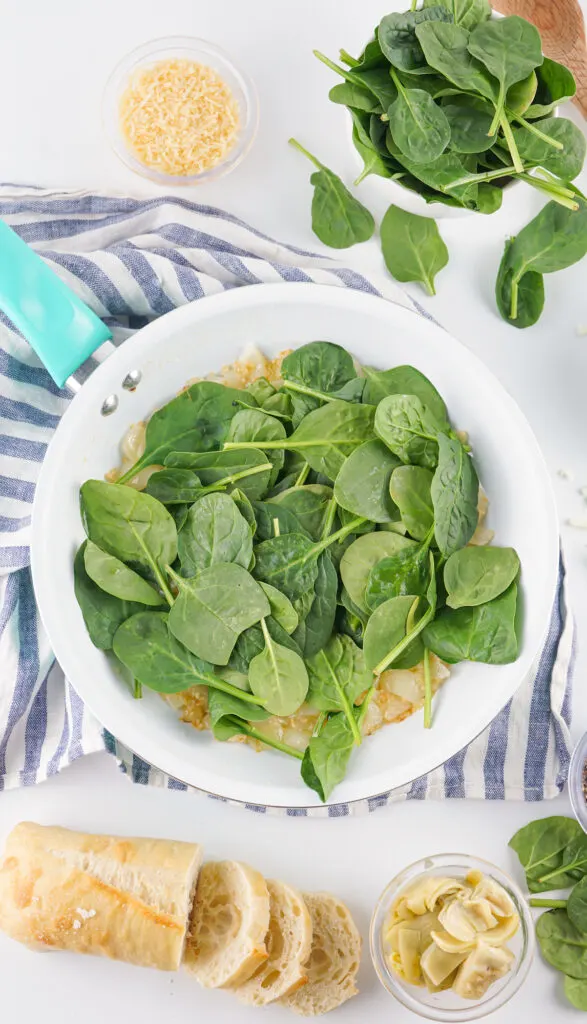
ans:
(482, 967)
(410, 952)
(465, 918)
(447, 942)
(501, 903)
(426, 893)
(437, 965)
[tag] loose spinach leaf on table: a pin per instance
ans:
(409, 429)
(555, 85)
(399, 41)
(214, 531)
(248, 469)
(131, 526)
(552, 851)
(113, 576)
(102, 613)
(213, 608)
(576, 992)
(256, 425)
(409, 487)
(577, 905)
(455, 493)
(338, 219)
(278, 677)
(561, 944)
(554, 240)
(412, 247)
(485, 633)
(146, 647)
(419, 127)
(402, 380)
(196, 421)
(510, 48)
(360, 557)
(362, 484)
(475, 575)
(466, 13)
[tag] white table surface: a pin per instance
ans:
(54, 60)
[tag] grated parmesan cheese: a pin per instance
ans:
(179, 117)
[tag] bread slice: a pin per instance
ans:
(230, 919)
(125, 898)
(334, 959)
(288, 941)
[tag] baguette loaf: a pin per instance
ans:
(230, 919)
(288, 941)
(334, 960)
(124, 898)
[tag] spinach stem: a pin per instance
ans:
(497, 117)
(276, 533)
(556, 194)
(333, 67)
(535, 131)
(514, 300)
(225, 481)
(549, 184)
(347, 59)
(298, 145)
(328, 519)
(364, 707)
(217, 683)
(471, 179)
(427, 691)
(321, 546)
(304, 473)
(414, 5)
(553, 904)
(319, 723)
(291, 385)
(267, 740)
(511, 142)
(137, 691)
(294, 446)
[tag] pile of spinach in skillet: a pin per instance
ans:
(553, 853)
(299, 541)
(455, 105)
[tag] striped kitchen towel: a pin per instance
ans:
(132, 260)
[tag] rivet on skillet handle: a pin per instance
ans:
(62, 330)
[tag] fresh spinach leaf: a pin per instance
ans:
(267, 513)
(419, 127)
(248, 469)
(338, 676)
(214, 531)
(145, 646)
(399, 41)
(409, 429)
(320, 365)
(196, 421)
(309, 504)
(561, 944)
(278, 677)
(245, 507)
(409, 487)
(113, 576)
(402, 380)
(520, 95)
(131, 526)
(555, 85)
(476, 575)
(360, 557)
(327, 755)
(485, 633)
(466, 13)
(251, 642)
(455, 493)
(440, 176)
(469, 128)
(567, 162)
(510, 48)
(576, 992)
(222, 706)
(406, 572)
(529, 292)
(374, 162)
(362, 484)
(445, 48)
(256, 425)
(212, 609)
(338, 219)
(289, 562)
(577, 905)
(319, 621)
(412, 247)
(552, 851)
(102, 613)
(282, 609)
(387, 627)
(175, 486)
(350, 94)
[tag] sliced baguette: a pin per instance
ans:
(230, 919)
(288, 941)
(120, 897)
(334, 959)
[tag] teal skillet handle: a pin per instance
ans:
(62, 330)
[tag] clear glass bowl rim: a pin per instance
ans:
(158, 49)
(464, 862)
(575, 780)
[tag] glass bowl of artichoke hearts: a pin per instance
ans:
(452, 938)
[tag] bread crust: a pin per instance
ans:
(125, 898)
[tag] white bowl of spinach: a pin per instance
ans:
(455, 105)
(220, 574)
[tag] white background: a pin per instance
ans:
(54, 61)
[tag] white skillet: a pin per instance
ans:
(197, 339)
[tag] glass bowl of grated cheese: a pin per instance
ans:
(178, 111)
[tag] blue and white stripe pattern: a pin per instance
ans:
(132, 260)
